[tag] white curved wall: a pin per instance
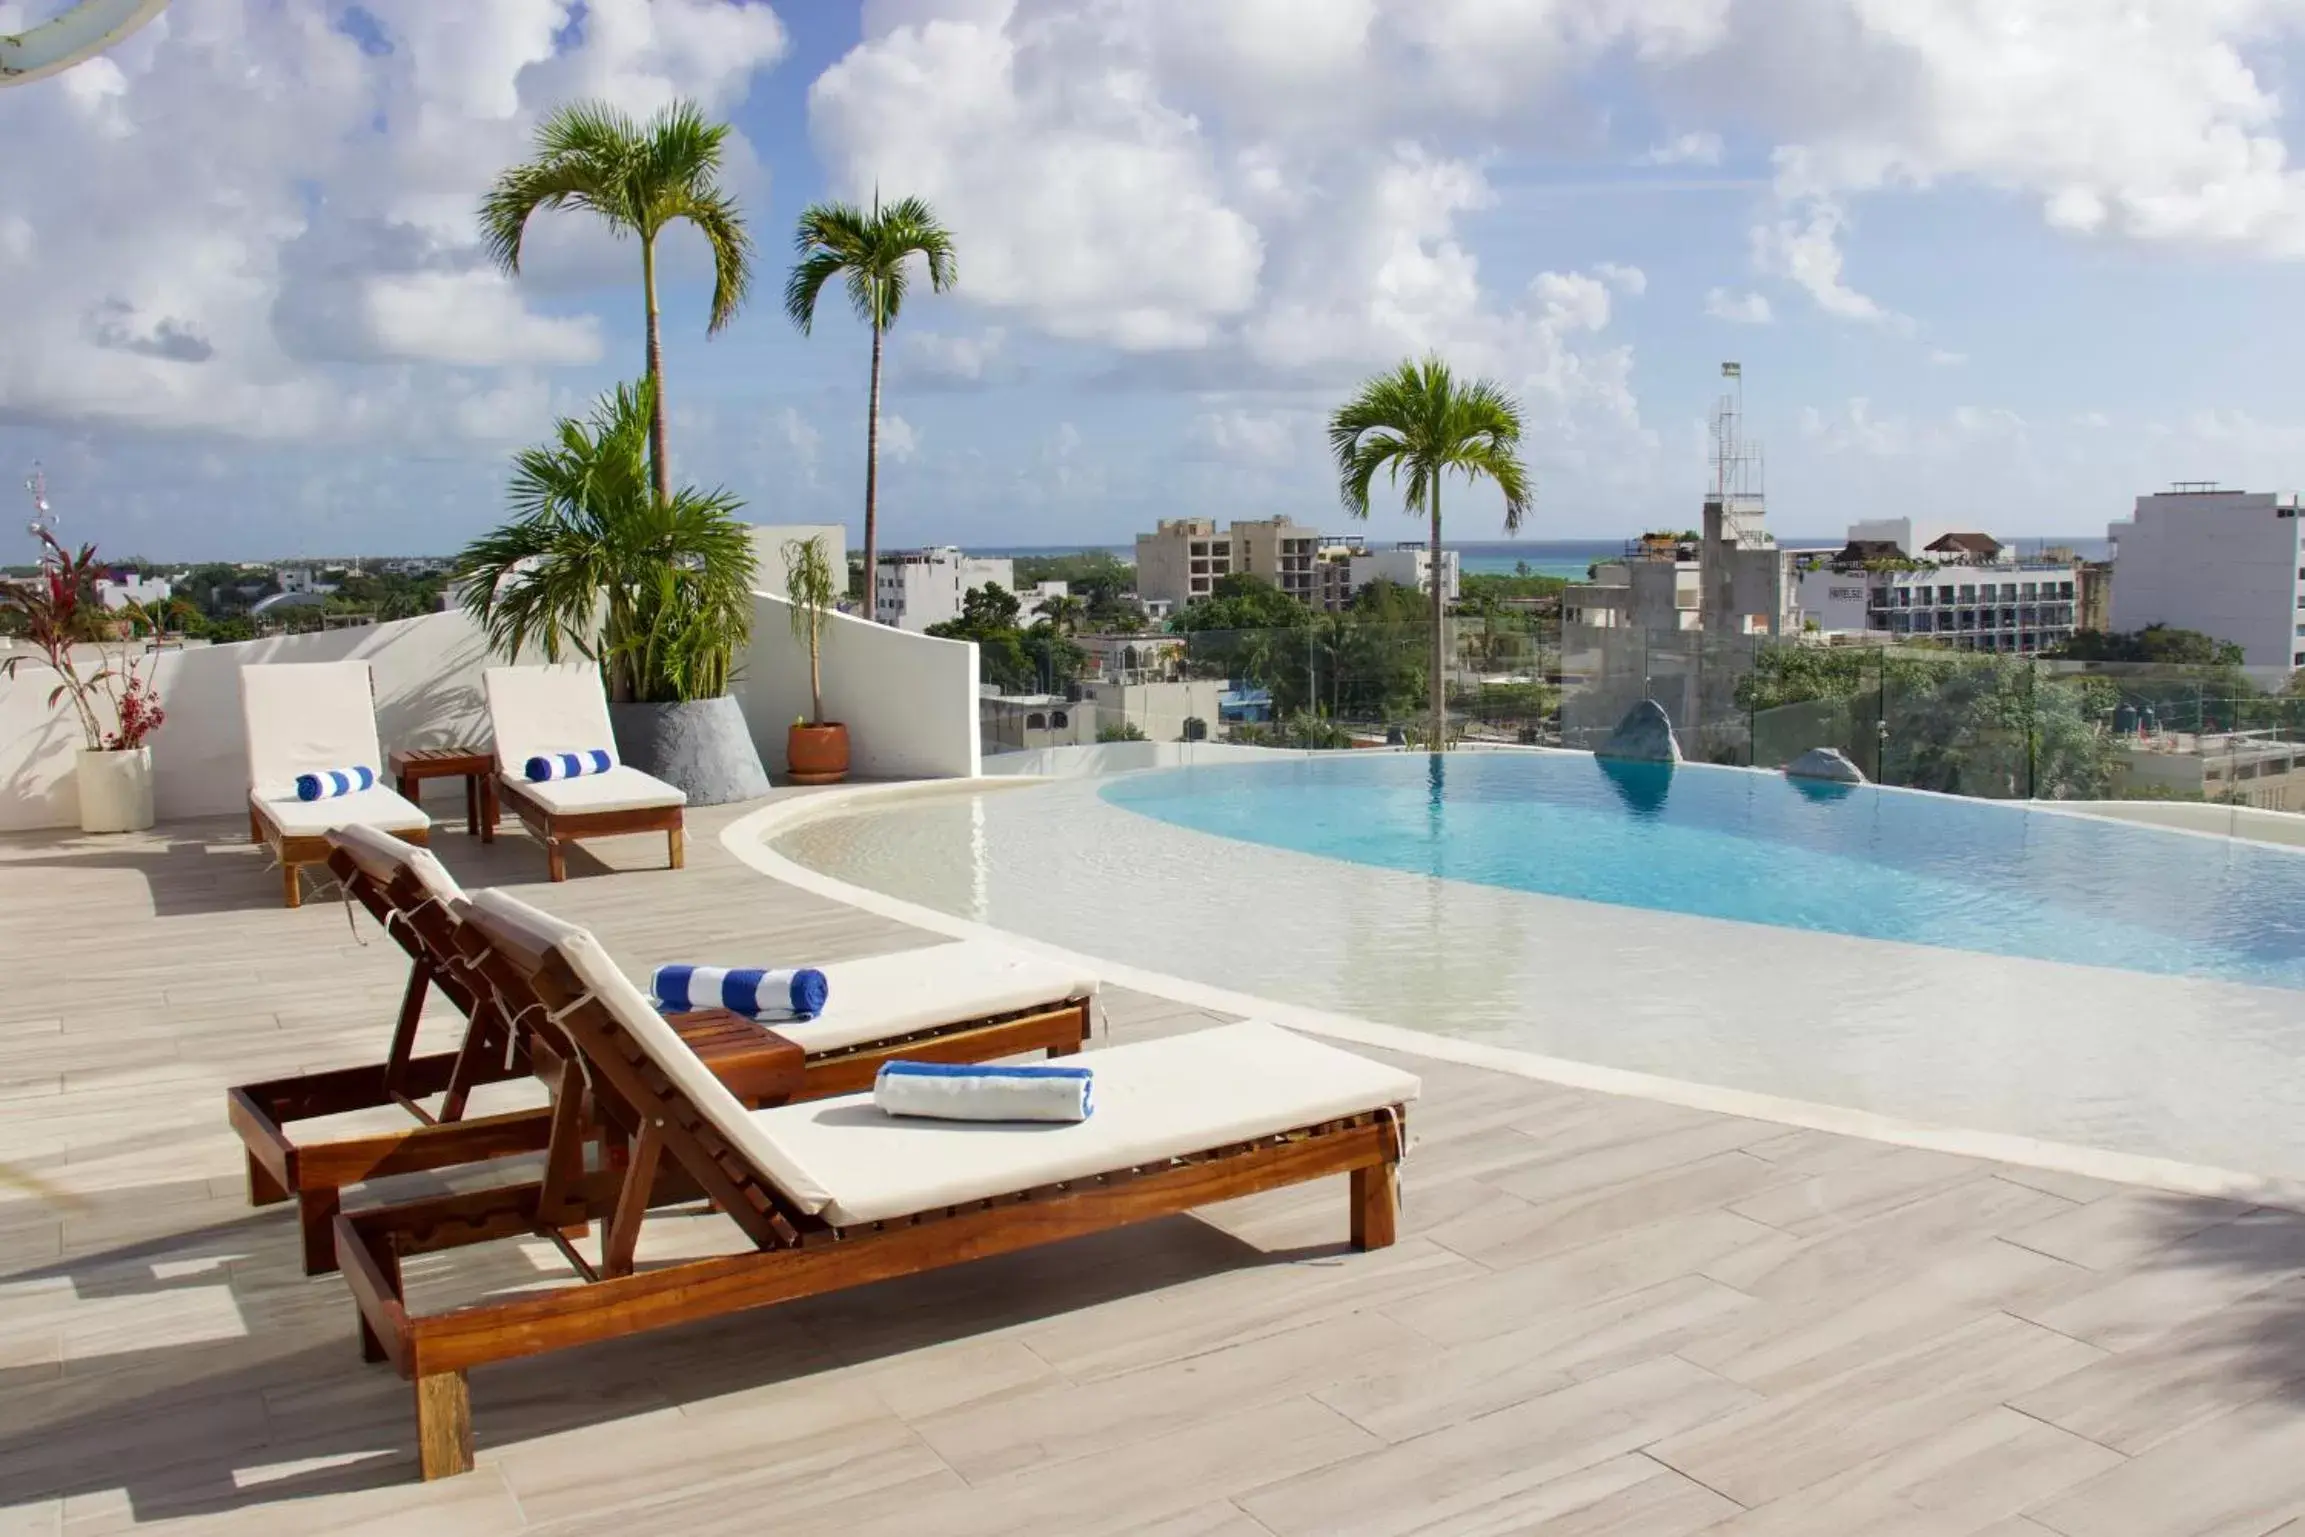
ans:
(427, 674)
(909, 701)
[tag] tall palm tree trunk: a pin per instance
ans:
(659, 470)
(872, 487)
(1440, 700)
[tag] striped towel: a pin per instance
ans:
(961, 1091)
(569, 765)
(327, 784)
(751, 991)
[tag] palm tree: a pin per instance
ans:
(1066, 613)
(869, 251)
(1421, 423)
(657, 591)
(639, 177)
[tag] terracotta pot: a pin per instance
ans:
(816, 755)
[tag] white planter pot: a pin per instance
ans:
(115, 791)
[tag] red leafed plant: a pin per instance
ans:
(58, 610)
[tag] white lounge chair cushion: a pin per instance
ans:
(555, 708)
(1154, 1101)
(622, 788)
(378, 853)
(639, 1017)
(892, 995)
(363, 808)
(302, 717)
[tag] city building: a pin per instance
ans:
(2234, 768)
(1178, 710)
(917, 588)
(1960, 589)
(122, 588)
(1139, 658)
(1280, 551)
(1020, 722)
(1180, 562)
(1184, 558)
(1040, 595)
(2226, 563)
(1408, 564)
(1656, 585)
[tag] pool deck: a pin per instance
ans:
(1603, 1315)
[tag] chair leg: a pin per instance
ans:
(316, 1218)
(555, 861)
(292, 884)
(444, 1425)
(1374, 1214)
(255, 828)
(263, 1189)
(677, 839)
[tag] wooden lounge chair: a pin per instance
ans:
(305, 718)
(560, 708)
(833, 1194)
(969, 1002)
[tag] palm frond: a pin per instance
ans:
(871, 252)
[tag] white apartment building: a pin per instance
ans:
(2014, 606)
(917, 588)
(1407, 564)
(2226, 563)
(150, 591)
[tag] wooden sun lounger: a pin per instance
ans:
(673, 1149)
(557, 830)
(441, 955)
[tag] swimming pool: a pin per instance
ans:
(1963, 964)
(1760, 848)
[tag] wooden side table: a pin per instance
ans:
(476, 766)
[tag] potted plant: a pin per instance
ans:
(659, 593)
(113, 698)
(815, 749)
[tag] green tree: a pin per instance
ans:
(2158, 644)
(871, 253)
(657, 591)
(639, 178)
(1419, 424)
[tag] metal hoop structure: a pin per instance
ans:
(82, 32)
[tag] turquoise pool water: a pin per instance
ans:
(1757, 848)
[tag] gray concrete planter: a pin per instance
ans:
(704, 746)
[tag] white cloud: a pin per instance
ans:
(1942, 358)
(1239, 436)
(1806, 252)
(307, 265)
(967, 359)
(898, 440)
(1629, 281)
(1702, 148)
(1746, 309)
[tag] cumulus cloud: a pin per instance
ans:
(1805, 250)
(1745, 309)
(306, 264)
(1689, 149)
(898, 440)
(1238, 436)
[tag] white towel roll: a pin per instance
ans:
(967, 1092)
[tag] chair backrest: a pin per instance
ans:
(302, 717)
(679, 1081)
(384, 859)
(555, 708)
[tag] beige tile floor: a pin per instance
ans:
(1603, 1316)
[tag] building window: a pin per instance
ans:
(2065, 590)
(1968, 593)
(1059, 720)
(1036, 722)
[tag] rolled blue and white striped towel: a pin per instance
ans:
(327, 784)
(568, 765)
(753, 991)
(963, 1091)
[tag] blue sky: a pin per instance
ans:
(2010, 262)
